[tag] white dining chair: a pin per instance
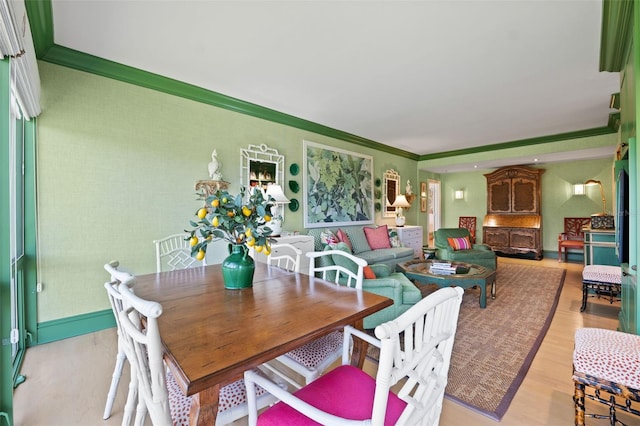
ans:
(174, 252)
(285, 256)
(313, 359)
(415, 347)
(158, 392)
(117, 278)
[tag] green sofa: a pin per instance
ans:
(479, 254)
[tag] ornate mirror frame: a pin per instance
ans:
(391, 190)
(260, 166)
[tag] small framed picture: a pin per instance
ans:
(423, 204)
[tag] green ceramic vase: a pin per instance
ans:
(238, 268)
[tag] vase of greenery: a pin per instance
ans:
(240, 220)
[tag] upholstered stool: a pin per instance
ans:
(606, 361)
(602, 280)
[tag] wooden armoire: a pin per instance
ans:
(513, 224)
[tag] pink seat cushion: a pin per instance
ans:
(608, 355)
(346, 392)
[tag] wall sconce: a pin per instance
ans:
(458, 194)
(578, 189)
(400, 203)
(592, 182)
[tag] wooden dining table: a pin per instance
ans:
(211, 335)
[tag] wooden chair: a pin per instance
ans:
(174, 252)
(158, 393)
(468, 222)
(117, 278)
(312, 359)
(285, 256)
(572, 238)
(348, 395)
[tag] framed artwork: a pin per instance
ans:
(423, 197)
(338, 187)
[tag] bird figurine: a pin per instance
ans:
(215, 166)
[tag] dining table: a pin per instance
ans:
(211, 334)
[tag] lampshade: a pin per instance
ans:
(401, 201)
(592, 182)
(275, 191)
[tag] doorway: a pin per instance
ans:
(433, 209)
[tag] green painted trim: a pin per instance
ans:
(92, 64)
(6, 364)
(40, 16)
(617, 24)
(614, 121)
(523, 142)
(51, 331)
(30, 230)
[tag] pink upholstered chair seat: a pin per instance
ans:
(608, 355)
(345, 391)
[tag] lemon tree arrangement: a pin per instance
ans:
(241, 221)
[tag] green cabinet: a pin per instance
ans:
(600, 247)
(628, 310)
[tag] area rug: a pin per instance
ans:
(495, 346)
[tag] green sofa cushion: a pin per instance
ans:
(358, 239)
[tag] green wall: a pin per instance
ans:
(117, 165)
(557, 199)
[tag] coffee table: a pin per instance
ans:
(418, 271)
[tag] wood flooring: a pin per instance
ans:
(67, 381)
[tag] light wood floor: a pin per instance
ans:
(67, 381)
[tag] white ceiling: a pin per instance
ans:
(422, 76)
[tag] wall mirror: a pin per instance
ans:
(391, 190)
(261, 166)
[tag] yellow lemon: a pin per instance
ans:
(224, 200)
(200, 255)
(193, 241)
(215, 203)
(231, 213)
(215, 222)
(251, 241)
(267, 218)
(266, 251)
(246, 211)
(248, 232)
(202, 213)
(258, 248)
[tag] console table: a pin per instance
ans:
(600, 247)
(410, 236)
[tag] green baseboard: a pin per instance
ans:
(51, 331)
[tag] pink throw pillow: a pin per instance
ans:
(344, 238)
(460, 243)
(378, 238)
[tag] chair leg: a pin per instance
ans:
(585, 295)
(578, 400)
(117, 373)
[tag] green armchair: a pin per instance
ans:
(479, 254)
(394, 285)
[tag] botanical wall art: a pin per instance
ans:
(338, 187)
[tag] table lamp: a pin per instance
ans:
(400, 203)
(592, 182)
(275, 191)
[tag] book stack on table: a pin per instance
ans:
(440, 267)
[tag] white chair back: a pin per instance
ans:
(428, 330)
(353, 279)
(144, 351)
(117, 278)
(174, 252)
(415, 347)
(285, 256)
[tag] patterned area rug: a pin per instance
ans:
(494, 347)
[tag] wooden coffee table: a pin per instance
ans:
(418, 271)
